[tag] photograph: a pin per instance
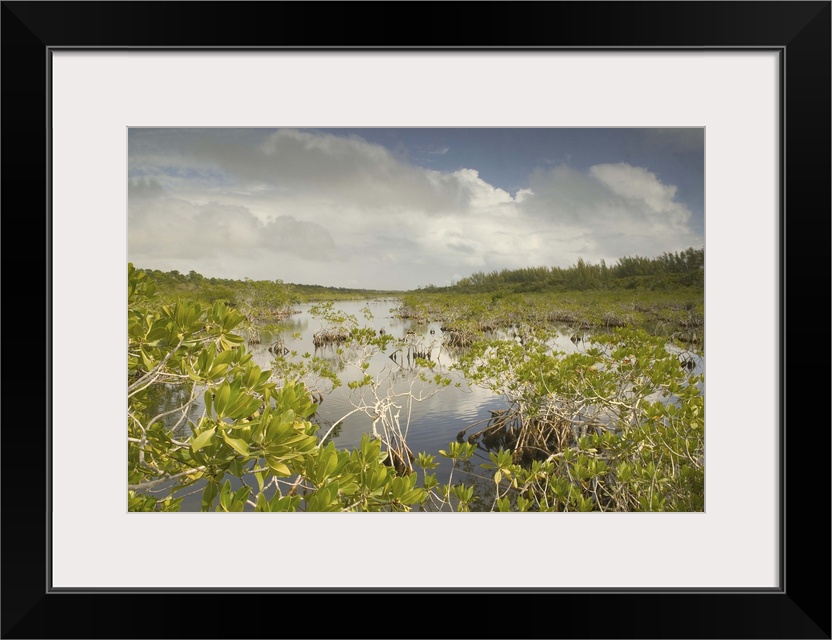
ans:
(385, 283)
(416, 319)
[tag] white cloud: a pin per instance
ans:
(481, 193)
(640, 186)
(615, 210)
(343, 168)
(320, 208)
(166, 230)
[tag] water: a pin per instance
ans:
(429, 425)
(432, 423)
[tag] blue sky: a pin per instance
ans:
(402, 208)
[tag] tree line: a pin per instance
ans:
(670, 270)
(270, 293)
(665, 272)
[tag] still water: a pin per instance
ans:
(432, 423)
(429, 425)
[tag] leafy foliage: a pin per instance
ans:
(617, 425)
(668, 271)
(234, 421)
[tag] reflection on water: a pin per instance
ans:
(430, 424)
(433, 423)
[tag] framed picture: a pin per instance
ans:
(78, 77)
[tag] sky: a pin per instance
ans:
(399, 209)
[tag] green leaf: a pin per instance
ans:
(202, 359)
(244, 406)
(277, 466)
(203, 439)
(262, 503)
(223, 357)
(193, 375)
(146, 361)
(222, 397)
(209, 399)
(225, 495)
(242, 493)
(252, 376)
(240, 446)
(208, 495)
(327, 463)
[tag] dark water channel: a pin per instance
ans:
(430, 424)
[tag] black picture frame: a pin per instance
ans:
(799, 608)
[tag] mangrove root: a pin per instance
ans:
(329, 336)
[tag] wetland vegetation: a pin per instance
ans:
(539, 389)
